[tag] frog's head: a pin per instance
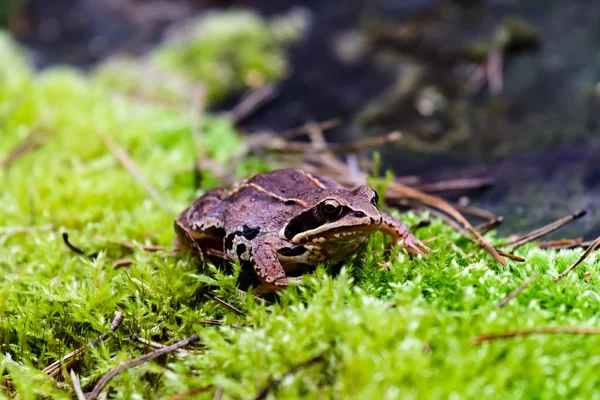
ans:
(338, 220)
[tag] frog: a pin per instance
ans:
(281, 219)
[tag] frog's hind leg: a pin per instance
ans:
(200, 226)
(399, 232)
(205, 216)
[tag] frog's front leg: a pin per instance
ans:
(267, 266)
(398, 231)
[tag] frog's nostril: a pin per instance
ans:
(359, 214)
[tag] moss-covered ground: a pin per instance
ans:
(396, 332)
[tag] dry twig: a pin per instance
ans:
(33, 141)
(543, 231)
(535, 331)
(133, 169)
(191, 393)
(54, 369)
(518, 290)
(455, 184)
(252, 102)
(264, 392)
(77, 386)
(585, 255)
(226, 305)
(489, 225)
(562, 244)
(138, 361)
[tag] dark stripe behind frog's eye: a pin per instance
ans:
(375, 198)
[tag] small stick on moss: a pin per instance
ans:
(304, 129)
(136, 338)
(397, 191)
(133, 246)
(420, 224)
(218, 393)
(138, 361)
(535, 331)
(475, 212)
(33, 141)
(545, 230)
(253, 102)
(127, 162)
(123, 262)
(561, 244)
(518, 290)
(72, 247)
(585, 255)
(191, 393)
(349, 147)
(54, 369)
(226, 305)
(264, 392)
(77, 386)
(456, 185)
(258, 299)
(489, 225)
(511, 256)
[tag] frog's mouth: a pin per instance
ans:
(339, 232)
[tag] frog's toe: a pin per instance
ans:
(415, 246)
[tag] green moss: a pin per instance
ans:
(53, 301)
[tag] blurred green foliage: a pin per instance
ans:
(7, 10)
(220, 52)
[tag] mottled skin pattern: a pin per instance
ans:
(287, 217)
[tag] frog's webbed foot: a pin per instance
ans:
(269, 270)
(399, 232)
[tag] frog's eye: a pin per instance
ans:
(331, 208)
(375, 198)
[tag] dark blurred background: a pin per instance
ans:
(508, 90)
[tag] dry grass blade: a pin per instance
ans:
(518, 290)
(561, 244)
(585, 255)
(123, 262)
(511, 256)
(574, 330)
(545, 230)
(252, 102)
(243, 294)
(136, 338)
(227, 305)
(396, 191)
(489, 225)
(455, 184)
(191, 393)
(291, 147)
(77, 386)
(33, 141)
(133, 169)
(264, 392)
(54, 369)
(304, 129)
(476, 212)
(137, 361)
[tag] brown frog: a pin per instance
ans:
(280, 219)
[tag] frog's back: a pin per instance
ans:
(292, 183)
